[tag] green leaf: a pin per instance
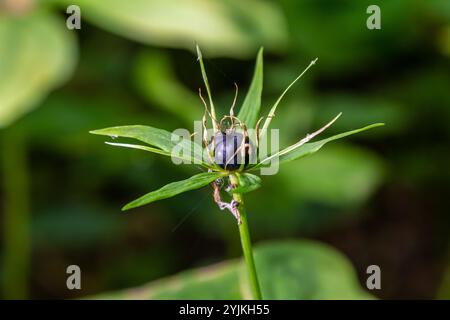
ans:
(37, 54)
(249, 111)
(375, 107)
(309, 148)
(223, 28)
(247, 182)
(159, 138)
(305, 270)
(208, 90)
(274, 107)
(286, 269)
(215, 282)
(150, 135)
(174, 188)
(313, 147)
(154, 150)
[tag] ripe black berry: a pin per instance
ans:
(228, 150)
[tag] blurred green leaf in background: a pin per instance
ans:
(223, 28)
(37, 54)
(292, 270)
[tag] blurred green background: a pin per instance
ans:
(380, 197)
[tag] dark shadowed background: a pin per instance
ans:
(380, 197)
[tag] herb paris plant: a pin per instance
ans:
(228, 154)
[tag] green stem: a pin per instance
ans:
(247, 245)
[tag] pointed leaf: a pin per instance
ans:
(310, 148)
(159, 138)
(274, 107)
(154, 150)
(153, 136)
(140, 147)
(205, 80)
(249, 111)
(174, 188)
(247, 182)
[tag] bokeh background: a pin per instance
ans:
(380, 197)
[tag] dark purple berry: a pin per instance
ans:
(228, 150)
